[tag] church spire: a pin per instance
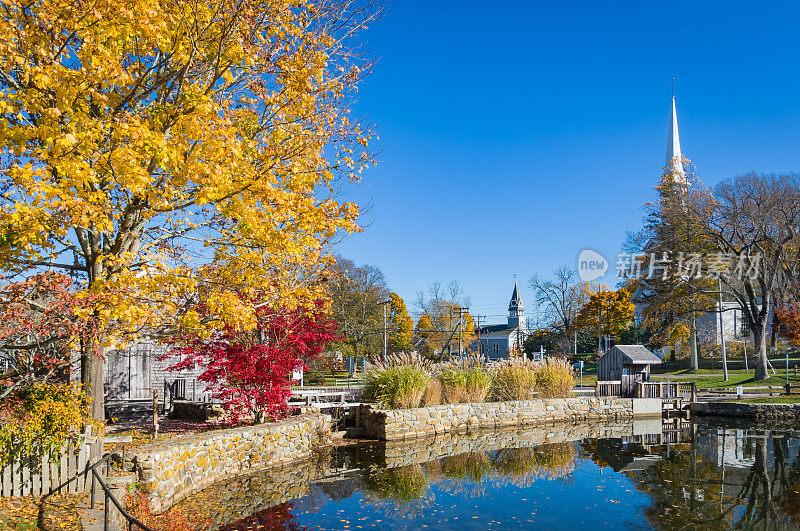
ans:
(516, 310)
(515, 305)
(674, 164)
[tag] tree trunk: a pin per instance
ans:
(694, 364)
(93, 385)
(760, 344)
(672, 354)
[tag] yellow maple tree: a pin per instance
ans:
(170, 153)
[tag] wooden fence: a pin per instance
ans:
(38, 475)
(667, 390)
(608, 388)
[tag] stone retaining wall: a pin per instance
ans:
(404, 452)
(778, 412)
(171, 470)
(234, 499)
(419, 422)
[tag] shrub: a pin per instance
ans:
(406, 381)
(514, 379)
(464, 380)
(554, 378)
(39, 419)
(398, 382)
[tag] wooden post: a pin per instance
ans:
(597, 388)
(694, 391)
(155, 414)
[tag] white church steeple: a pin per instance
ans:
(516, 310)
(674, 164)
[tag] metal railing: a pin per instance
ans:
(109, 496)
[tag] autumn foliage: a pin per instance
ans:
(170, 520)
(788, 320)
(250, 371)
(40, 321)
(165, 151)
(613, 307)
(40, 418)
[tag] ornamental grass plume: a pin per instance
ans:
(398, 382)
(433, 393)
(465, 379)
(514, 379)
(522, 466)
(473, 466)
(554, 378)
(401, 492)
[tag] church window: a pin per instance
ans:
(495, 349)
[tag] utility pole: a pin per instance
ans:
(460, 330)
(722, 335)
(449, 327)
(384, 303)
(480, 344)
(599, 330)
(575, 342)
(460, 314)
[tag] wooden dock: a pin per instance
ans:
(675, 396)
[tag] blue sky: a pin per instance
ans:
(516, 134)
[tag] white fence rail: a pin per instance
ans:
(38, 475)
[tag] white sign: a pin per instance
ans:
(739, 390)
(297, 374)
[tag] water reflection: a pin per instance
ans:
(671, 475)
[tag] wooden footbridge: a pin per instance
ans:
(326, 397)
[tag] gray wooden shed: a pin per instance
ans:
(628, 364)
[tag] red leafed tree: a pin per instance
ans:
(39, 325)
(250, 371)
(788, 321)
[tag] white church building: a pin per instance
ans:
(497, 341)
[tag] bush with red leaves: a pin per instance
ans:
(250, 371)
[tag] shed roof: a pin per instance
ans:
(638, 354)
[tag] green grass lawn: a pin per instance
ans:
(735, 378)
(778, 368)
(330, 378)
(791, 399)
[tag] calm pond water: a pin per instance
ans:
(664, 475)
